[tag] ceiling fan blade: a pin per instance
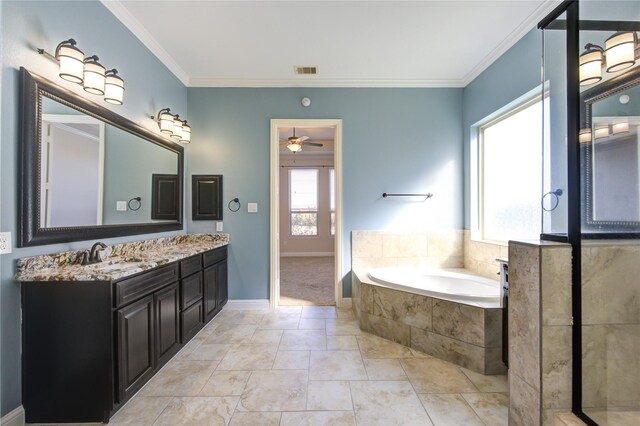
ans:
(303, 138)
(313, 144)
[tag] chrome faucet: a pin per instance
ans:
(89, 257)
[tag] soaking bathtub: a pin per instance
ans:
(451, 314)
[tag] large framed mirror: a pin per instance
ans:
(87, 172)
(611, 155)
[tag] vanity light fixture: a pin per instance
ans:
(584, 136)
(165, 121)
(177, 127)
(71, 61)
(619, 53)
(620, 125)
(186, 133)
(113, 88)
(88, 72)
(601, 131)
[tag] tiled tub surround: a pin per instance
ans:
(466, 335)
(480, 256)
(539, 332)
(119, 260)
(611, 329)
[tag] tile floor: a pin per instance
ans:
(310, 366)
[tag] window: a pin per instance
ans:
(303, 202)
(509, 177)
(332, 200)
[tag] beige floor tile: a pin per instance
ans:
(436, 376)
(198, 411)
(180, 378)
(266, 336)
(300, 340)
(384, 369)
(497, 383)
(249, 357)
(336, 365)
(376, 347)
(329, 396)
(319, 312)
(316, 418)
(264, 418)
(209, 352)
(347, 343)
(141, 410)
(311, 324)
(275, 390)
(189, 348)
(345, 313)
(289, 310)
(280, 321)
(343, 327)
(449, 409)
(226, 383)
(232, 333)
(387, 403)
(291, 360)
(241, 317)
(492, 408)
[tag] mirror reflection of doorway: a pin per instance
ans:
(307, 216)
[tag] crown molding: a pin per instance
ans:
(122, 14)
(214, 82)
(525, 26)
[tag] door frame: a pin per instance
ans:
(336, 124)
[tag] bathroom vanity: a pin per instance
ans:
(93, 335)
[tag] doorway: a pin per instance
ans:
(306, 212)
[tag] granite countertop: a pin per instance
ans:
(118, 261)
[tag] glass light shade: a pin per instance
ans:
(186, 133)
(177, 128)
(619, 49)
(584, 136)
(93, 76)
(166, 122)
(601, 131)
(590, 67)
(113, 88)
(294, 147)
(71, 63)
(620, 126)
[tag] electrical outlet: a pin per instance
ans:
(121, 206)
(219, 227)
(252, 207)
(5, 242)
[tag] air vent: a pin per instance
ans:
(306, 69)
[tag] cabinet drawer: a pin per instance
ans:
(131, 289)
(191, 321)
(190, 265)
(191, 290)
(215, 256)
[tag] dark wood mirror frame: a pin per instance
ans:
(30, 232)
(587, 99)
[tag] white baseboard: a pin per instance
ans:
(248, 304)
(345, 303)
(308, 254)
(13, 418)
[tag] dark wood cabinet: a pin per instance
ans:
(89, 346)
(136, 346)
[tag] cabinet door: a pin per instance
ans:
(221, 280)
(167, 322)
(210, 292)
(136, 352)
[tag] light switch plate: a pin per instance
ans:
(5, 242)
(252, 207)
(121, 206)
(219, 227)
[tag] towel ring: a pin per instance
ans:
(237, 201)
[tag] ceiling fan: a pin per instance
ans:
(295, 143)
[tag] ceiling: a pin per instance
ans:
(354, 43)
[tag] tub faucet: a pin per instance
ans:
(89, 257)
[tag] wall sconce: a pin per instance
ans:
(172, 126)
(619, 54)
(87, 72)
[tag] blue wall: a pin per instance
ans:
(394, 140)
(149, 87)
(515, 73)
